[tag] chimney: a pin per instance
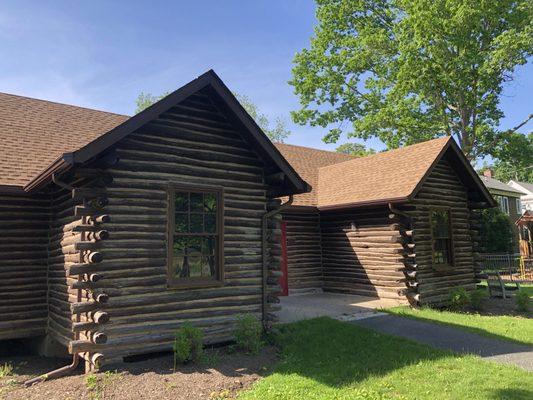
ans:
(487, 173)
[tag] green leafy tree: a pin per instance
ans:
(497, 235)
(515, 161)
(276, 131)
(355, 149)
(145, 100)
(406, 71)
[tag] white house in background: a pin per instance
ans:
(527, 194)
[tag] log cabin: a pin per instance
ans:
(401, 224)
(119, 229)
(116, 230)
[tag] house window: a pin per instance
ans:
(195, 226)
(503, 201)
(441, 237)
(518, 206)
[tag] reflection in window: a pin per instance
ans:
(195, 236)
(441, 237)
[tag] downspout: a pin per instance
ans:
(264, 246)
(75, 357)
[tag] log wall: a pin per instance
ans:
(363, 253)
(192, 143)
(23, 251)
(304, 250)
(443, 189)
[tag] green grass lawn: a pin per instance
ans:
(512, 328)
(516, 329)
(327, 359)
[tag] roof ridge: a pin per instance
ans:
(381, 153)
(314, 148)
(62, 104)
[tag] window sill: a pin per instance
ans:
(194, 284)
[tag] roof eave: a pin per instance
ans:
(60, 165)
(12, 190)
(370, 203)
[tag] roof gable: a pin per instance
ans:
(524, 187)
(392, 176)
(92, 143)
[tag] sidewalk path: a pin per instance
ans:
(449, 338)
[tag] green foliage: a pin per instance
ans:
(406, 71)
(6, 370)
(355, 149)
(515, 160)
(477, 297)
(248, 333)
(522, 301)
(459, 299)
(145, 100)
(497, 234)
(278, 132)
(188, 344)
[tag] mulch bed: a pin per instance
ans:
(219, 376)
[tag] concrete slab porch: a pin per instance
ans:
(338, 306)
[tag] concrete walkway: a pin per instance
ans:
(338, 306)
(449, 338)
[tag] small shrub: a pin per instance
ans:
(188, 344)
(6, 370)
(248, 333)
(459, 299)
(522, 301)
(476, 299)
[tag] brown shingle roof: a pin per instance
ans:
(306, 161)
(33, 133)
(392, 175)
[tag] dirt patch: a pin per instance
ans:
(219, 376)
(498, 307)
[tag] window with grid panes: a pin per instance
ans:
(441, 237)
(195, 236)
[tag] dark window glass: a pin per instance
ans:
(197, 223)
(196, 236)
(182, 222)
(441, 237)
(182, 201)
(197, 201)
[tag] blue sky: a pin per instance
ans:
(102, 54)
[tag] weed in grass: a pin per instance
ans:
(6, 370)
(96, 384)
(522, 301)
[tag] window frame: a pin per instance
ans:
(195, 282)
(518, 204)
(504, 204)
(451, 250)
